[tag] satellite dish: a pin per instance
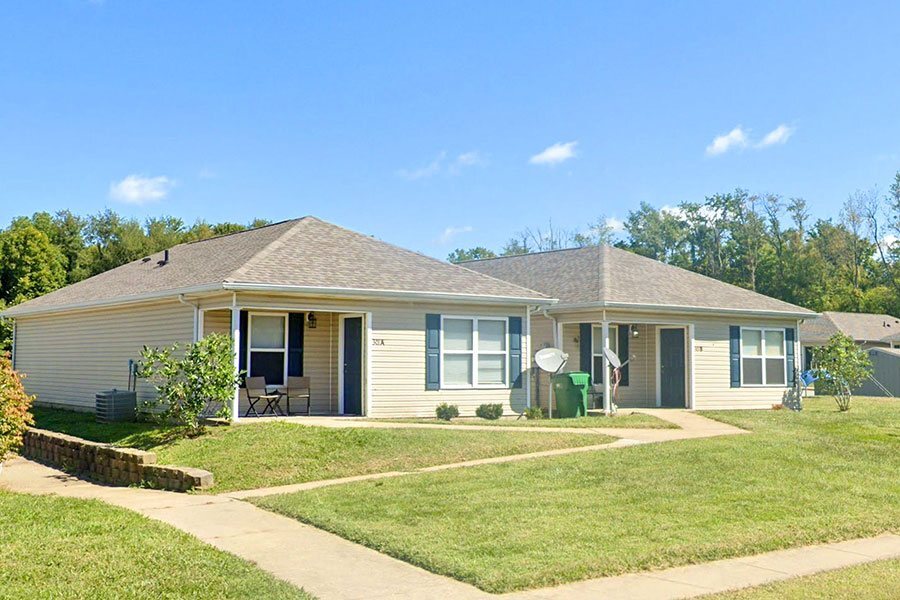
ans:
(613, 358)
(551, 359)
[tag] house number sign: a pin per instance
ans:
(377, 341)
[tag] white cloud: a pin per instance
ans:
(615, 225)
(441, 165)
(555, 154)
(470, 159)
(207, 173)
(736, 138)
(138, 189)
(451, 232)
(432, 168)
(779, 135)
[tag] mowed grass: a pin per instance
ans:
(800, 478)
(273, 453)
(70, 549)
(872, 581)
(622, 420)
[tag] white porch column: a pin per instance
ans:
(607, 389)
(236, 340)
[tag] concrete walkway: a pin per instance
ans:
(691, 425)
(331, 567)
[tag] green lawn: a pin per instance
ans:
(800, 478)
(68, 548)
(279, 453)
(873, 581)
(622, 420)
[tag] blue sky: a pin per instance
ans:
(424, 124)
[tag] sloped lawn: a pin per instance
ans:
(800, 478)
(84, 549)
(274, 453)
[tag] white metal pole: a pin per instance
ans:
(607, 401)
(236, 339)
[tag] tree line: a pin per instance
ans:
(44, 252)
(762, 242)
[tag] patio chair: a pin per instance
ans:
(256, 392)
(298, 389)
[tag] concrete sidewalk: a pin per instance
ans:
(691, 425)
(331, 567)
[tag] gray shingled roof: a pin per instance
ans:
(303, 253)
(862, 327)
(615, 277)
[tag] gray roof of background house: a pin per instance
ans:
(862, 327)
(304, 253)
(605, 275)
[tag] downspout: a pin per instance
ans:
(13, 349)
(196, 308)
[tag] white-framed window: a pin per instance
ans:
(267, 347)
(597, 349)
(474, 352)
(763, 357)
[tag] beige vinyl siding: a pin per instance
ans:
(713, 389)
(396, 355)
(69, 357)
(541, 337)
(216, 321)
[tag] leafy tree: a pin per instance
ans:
(31, 265)
(14, 406)
(478, 253)
(187, 384)
(841, 366)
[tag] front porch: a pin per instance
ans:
(659, 354)
(326, 346)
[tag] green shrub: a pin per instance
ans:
(491, 412)
(445, 411)
(841, 365)
(185, 386)
(14, 405)
(533, 413)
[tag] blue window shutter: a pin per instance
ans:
(624, 331)
(245, 332)
(735, 352)
(789, 355)
(295, 344)
(515, 351)
(432, 352)
(584, 346)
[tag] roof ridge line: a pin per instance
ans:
(266, 250)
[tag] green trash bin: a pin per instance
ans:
(570, 391)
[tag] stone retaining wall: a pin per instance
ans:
(107, 464)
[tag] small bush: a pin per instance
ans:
(14, 405)
(185, 385)
(491, 412)
(445, 411)
(533, 413)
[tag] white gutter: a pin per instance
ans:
(17, 311)
(21, 310)
(382, 293)
(674, 308)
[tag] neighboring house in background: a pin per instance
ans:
(867, 329)
(692, 341)
(380, 330)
